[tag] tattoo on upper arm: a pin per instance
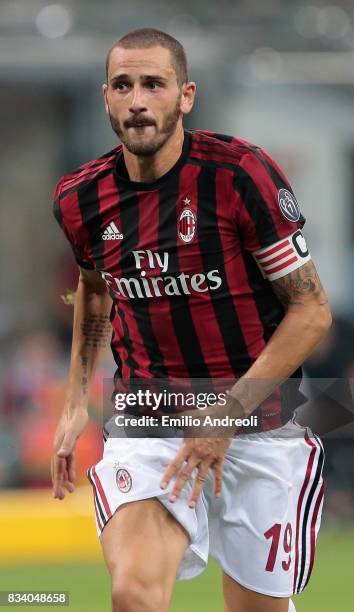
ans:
(299, 286)
(96, 330)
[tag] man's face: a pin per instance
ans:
(143, 99)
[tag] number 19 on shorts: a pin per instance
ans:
(276, 534)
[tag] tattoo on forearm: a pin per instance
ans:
(96, 329)
(295, 287)
(84, 379)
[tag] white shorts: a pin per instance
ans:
(263, 528)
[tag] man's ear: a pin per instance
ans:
(189, 91)
(104, 91)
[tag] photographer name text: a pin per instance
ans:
(183, 421)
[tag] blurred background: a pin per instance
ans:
(279, 73)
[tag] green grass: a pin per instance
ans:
(331, 588)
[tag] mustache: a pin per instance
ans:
(138, 122)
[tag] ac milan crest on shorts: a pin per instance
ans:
(124, 480)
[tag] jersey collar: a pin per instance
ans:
(121, 175)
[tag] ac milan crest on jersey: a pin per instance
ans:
(187, 225)
(124, 480)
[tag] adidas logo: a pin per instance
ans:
(112, 232)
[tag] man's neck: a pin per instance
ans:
(150, 168)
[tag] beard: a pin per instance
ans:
(155, 143)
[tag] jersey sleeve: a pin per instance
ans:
(268, 216)
(81, 253)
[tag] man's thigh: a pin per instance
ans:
(143, 546)
(239, 599)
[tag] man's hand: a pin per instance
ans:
(70, 427)
(203, 449)
(200, 453)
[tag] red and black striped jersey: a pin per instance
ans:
(188, 258)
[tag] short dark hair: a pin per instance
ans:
(145, 38)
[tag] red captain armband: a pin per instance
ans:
(282, 257)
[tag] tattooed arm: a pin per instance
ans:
(307, 319)
(301, 288)
(91, 334)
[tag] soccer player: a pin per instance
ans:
(190, 246)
